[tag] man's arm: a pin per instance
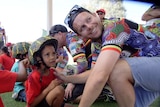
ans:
(77, 78)
(98, 77)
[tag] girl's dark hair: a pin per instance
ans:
(21, 56)
(5, 50)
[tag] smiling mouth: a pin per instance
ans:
(94, 30)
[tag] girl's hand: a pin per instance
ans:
(25, 62)
(68, 90)
(54, 83)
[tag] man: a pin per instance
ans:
(80, 50)
(152, 13)
(81, 53)
(108, 64)
(152, 18)
(101, 13)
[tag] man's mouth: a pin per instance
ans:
(94, 30)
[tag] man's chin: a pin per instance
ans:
(95, 39)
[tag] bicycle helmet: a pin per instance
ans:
(37, 46)
(20, 48)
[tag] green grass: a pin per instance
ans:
(9, 102)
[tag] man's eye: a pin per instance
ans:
(83, 28)
(89, 19)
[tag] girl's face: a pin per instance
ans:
(49, 56)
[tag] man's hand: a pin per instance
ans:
(61, 75)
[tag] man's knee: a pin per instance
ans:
(121, 73)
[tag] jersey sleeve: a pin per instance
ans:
(133, 25)
(63, 54)
(115, 36)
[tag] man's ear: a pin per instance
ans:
(60, 33)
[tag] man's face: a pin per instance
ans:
(88, 25)
(61, 37)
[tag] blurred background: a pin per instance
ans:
(26, 20)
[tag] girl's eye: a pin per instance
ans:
(47, 54)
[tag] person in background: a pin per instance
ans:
(9, 45)
(62, 54)
(127, 70)
(8, 78)
(6, 61)
(19, 52)
(152, 13)
(152, 18)
(42, 87)
(85, 58)
(2, 37)
(101, 13)
(81, 53)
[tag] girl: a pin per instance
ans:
(42, 87)
(19, 52)
(6, 61)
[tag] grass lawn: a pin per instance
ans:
(9, 102)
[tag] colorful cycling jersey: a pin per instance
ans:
(62, 53)
(97, 45)
(95, 49)
(80, 50)
(119, 34)
(146, 46)
(152, 27)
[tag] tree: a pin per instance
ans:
(114, 8)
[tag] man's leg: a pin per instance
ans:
(145, 98)
(121, 82)
(145, 71)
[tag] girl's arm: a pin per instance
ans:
(44, 93)
(22, 73)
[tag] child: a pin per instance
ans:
(6, 61)
(19, 52)
(10, 45)
(8, 79)
(42, 87)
